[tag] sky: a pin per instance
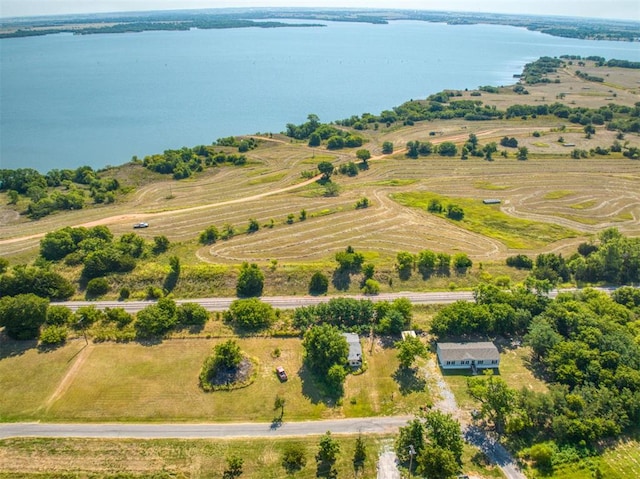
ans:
(618, 9)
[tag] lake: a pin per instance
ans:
(68, 100)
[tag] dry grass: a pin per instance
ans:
(159, 382)
(171, 457)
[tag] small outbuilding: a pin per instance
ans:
(472, 356)
(355, 350)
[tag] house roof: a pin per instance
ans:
(355, 349)
(464, 351)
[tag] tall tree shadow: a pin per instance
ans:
(316, 391)
(13, 347)
(409, 381)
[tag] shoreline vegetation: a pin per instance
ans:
(569, 27)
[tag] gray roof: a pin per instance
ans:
(355, 350)
(463, 351)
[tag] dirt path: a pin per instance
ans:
(68, 378)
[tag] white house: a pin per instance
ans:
(355, 350)
(471, 356)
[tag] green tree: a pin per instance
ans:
(436, 462)
(324, 346)
(227, 354)
(314, 140)
(250, 281)
(442, 430)
(404, 263)
(334, 379)
(496, 398)
(326, 168)
(319, 283)
(359, 454)
(461, 262)
(44, 282)
(363, 155)
(157, 319)
(387, 148)
(250, 314)
(349, 260)
(408, 350)
(435, 206)
(328, 450)
(192, 314)
(368, 270)
(426, 262)
(209, 236)
(455, 212)
(160, 244)
(411, 435)
(22, 315)
(447, 148)
(59, 315)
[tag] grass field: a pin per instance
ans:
(159, 382)
(195, 459)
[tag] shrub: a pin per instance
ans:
(125, 292)
(319, 283)
(520, 261)
(371, 286)
(53, 335)
(294, 457)
(209, 236)
(455, 212)
(58, 315)
(97, 287)
(192, 314)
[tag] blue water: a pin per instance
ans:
(68, 100)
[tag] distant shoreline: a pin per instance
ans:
(568, 27)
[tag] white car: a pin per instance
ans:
(141, 225)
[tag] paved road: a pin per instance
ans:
(282, 302)
(374, 425)
(292, 302)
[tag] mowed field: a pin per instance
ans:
(159, 383)
(578, 197)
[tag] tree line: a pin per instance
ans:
(58, 189)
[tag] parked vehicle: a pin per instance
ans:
(282, 375)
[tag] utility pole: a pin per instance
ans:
(412, 452)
